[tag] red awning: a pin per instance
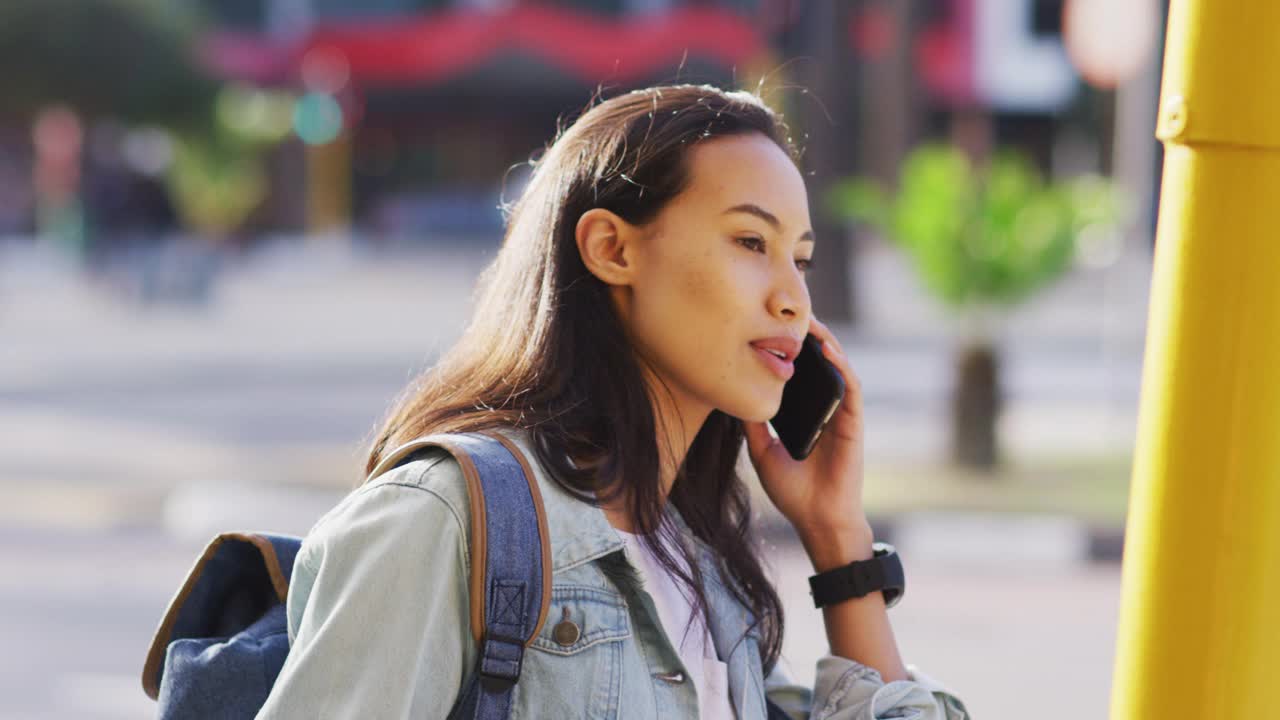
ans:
(423, 50)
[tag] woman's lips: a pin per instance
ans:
(780, 367)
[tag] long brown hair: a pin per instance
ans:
(545, 351)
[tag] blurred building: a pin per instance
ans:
(442, 98)
(408, 118)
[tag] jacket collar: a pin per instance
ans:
(580, 532)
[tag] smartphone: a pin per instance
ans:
(809, 399)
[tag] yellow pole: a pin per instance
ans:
(1199, 634)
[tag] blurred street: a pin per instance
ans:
(283, 375)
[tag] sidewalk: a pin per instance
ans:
(115, 415)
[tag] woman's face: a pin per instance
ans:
(722, 266)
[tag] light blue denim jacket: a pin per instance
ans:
(378, 611)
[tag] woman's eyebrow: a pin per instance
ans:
(765, 215)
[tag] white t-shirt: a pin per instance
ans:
(710, 677)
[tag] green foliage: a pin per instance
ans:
(215, 181)
(126, 59)
(991, 235)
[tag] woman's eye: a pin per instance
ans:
(757, 244)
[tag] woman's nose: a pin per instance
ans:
(790, 299)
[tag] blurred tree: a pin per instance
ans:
(218, 176)
(126, 59)
(982, 240)
(215, 182)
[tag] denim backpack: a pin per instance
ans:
(224, 638)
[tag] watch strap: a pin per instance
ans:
(882, 572)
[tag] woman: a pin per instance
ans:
(620, 339)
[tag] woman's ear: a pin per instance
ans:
(607, 244)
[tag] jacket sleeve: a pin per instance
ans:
(378, 606)
(848, 690)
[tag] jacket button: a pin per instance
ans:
(566, 632)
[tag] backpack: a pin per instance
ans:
(223, 639)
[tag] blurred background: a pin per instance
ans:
(232, 230)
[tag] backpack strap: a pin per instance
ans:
(510, 588)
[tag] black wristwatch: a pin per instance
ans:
(882, 572)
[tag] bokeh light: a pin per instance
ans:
(317, 118)
(1110, 41)
(255, 114)
(325, 70)
(148, 150)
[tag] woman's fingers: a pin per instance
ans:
(832, 351)
(825, 334)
